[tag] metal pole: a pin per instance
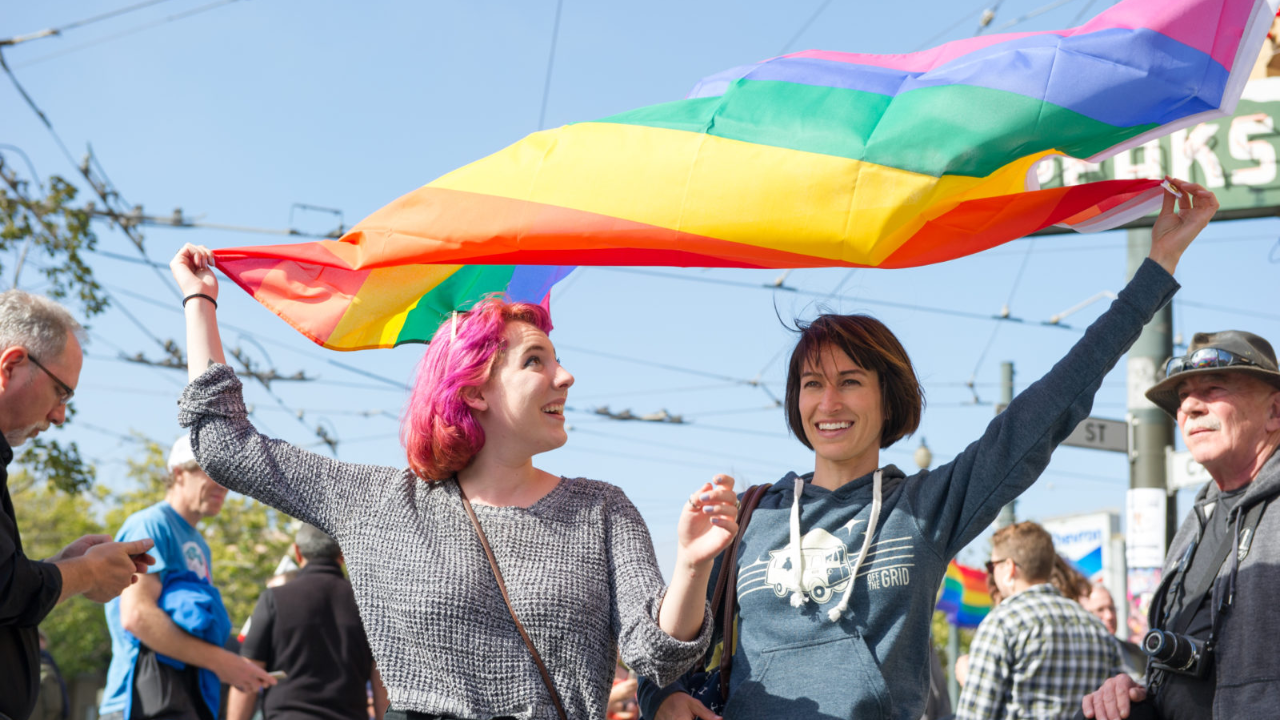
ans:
(1007, 515)
(953, 652)
(1152, 428)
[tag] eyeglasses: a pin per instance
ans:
(65, 391)
(991, 564)
(1203, 358)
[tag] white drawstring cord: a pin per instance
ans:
(798, 597)
(834, 613)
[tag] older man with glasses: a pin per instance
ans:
(1213, 618)
(40, 359)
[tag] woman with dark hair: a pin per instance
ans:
(574, 555)
(839, 568)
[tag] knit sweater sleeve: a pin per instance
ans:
(316, 489)
(638, 591)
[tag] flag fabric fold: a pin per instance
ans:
(813, 159)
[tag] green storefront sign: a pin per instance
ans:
(1236, 157)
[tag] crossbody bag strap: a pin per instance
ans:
(729, 573)
(497, 575)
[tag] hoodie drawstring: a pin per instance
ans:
(834, 613)
(798, 597)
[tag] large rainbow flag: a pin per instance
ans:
(812, 159)
(964, 598)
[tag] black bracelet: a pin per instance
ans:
(200, 295)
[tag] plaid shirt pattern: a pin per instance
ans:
(1036, 655)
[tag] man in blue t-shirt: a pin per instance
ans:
(138, 685)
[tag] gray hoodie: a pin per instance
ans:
(1247, 663)
(836, 588)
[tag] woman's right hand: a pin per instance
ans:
(191, 268)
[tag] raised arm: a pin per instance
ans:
(957, 500)
(192, 269)
(316, 489)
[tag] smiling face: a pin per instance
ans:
(843, 413)
(1230, 423)
(521, 405)
(33, 399)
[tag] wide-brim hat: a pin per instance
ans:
(1237, 342)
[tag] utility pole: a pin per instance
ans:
(1152, 429)
(1007, 516)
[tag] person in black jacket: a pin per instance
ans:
(310, 630)
(1220, 577)
(40, 359)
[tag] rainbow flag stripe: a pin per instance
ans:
(964, 598)
(813, 159)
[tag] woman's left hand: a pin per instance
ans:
(708, 523)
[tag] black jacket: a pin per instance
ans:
(28, 591)
(310, 628)
(1247, 666)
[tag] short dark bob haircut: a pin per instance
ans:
(873, 347)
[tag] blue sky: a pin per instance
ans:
(238, 112)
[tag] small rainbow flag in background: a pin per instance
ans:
(964, 598)
(813, 159)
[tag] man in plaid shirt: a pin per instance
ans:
(1037, 654)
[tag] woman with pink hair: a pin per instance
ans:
(574, 554)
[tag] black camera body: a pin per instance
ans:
(1176, 653)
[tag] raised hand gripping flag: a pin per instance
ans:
(964, 599)
(813, 159)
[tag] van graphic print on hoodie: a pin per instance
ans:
(828, 566)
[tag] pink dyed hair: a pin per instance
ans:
(438, 431)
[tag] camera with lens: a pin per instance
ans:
(1181, 654)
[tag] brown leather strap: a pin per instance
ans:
(497, 574)
(727, 585)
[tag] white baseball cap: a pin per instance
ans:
(181, 454)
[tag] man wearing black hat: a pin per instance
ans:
(1220, 584)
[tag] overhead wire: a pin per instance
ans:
(959, 21)
(551, 58)
(169, 307)
(805, 27)
(1082, 13)
(670, 446)
(870, 301)
(1033, 14)
(103, 192)
(125, 33)
(103, 16)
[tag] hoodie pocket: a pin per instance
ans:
(833, 679)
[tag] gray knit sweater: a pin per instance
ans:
(579, 566)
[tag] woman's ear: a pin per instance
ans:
(474, 398)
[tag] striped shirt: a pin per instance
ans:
(1036, 655)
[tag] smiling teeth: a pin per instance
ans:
(833, 425)
(554, 410)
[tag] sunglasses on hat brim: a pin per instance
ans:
(1205, 359)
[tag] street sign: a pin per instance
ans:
(1185, 472)
(1235, 157)
(1100, 434)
